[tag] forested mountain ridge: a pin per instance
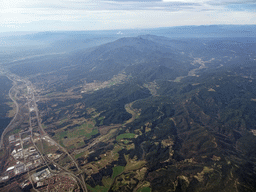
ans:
(151, 113)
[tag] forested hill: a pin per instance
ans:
(154, 113)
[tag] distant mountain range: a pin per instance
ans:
(144, 57)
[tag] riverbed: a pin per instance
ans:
(5, 101)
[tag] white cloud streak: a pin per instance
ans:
(98, 14)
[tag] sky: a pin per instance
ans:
(72, 15)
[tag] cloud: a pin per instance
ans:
(96, 4)
(219, 2)
(185, 1)
(226, 2)
(117, 14)
(137, 0)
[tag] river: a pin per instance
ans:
(5, 86)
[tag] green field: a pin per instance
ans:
(94, 132)
(125, 136)
(97, 188)
(100, 118)
(85, 130)
(79, 155)
(80, 144)
(106, 180)
(144, 189)
(117, 170)
(71, 147)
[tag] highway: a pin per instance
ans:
(43, 134)
(31, 101)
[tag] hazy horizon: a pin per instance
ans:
(10, 33)
(77, 15)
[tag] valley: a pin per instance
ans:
(144, 113)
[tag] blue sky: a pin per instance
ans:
(54, 15)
